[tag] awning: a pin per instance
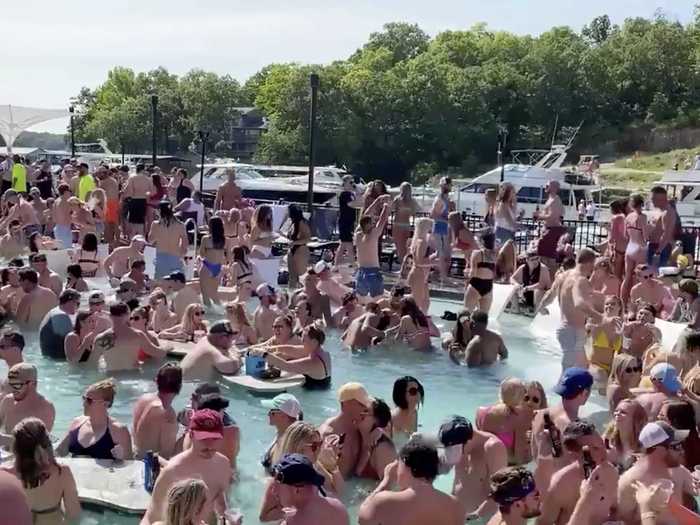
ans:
(15, 119)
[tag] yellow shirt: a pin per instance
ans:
(85, 185)
(19, 178)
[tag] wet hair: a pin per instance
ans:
(384, 320)
(480, 317)
(16, 338)
(692, 340)
(27, 274)
(381, 413)
(186, 500)
(410, 308)
(574, 431)
(118, 309)
(82, 316)
(617, 207)
(169, 378)
(421, 459)
(585, 255)
(34, 239)
(34, 455)
(106, 388)
(488, 239)
(216, 233)
(506, 482)
(165, 210)
(316, 333)
(398, 394)
(75, 270)
(636, 201)
(89, 242)
(458, 334)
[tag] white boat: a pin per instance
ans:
(529, 181)
(684, 186)
(254, 186)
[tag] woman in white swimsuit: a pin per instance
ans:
(636, 232)
(261, 234)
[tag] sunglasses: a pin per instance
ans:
(96, 303)
(314, 446)
(18, 386)
(631, 369)
(413, 391)
(199, 313)
(648, 276)
(275, 326)
(675, 446)
(273, 411)
(135, 317)
(533, 399)
(88, 400)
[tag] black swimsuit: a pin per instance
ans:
(311, 383)
(182, 192)
(100, 449)
(483, 286)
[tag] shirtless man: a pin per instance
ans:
(137, 188)
(553, 210)
(47, 278)
(11, 347)
(11, 293)
(513, 489)
(96, 305)
(264, 315)
(13, 243)
(648, 290)
(563, 491)
(169, 237)
(485, 347)
(355, 404)
(200, 461)
(576, 304)
(319, 301)
(110, 185)
(61, 214)
(661, 458)
(640, 334)
(22, 211)
(347, 313)
(480, 455)
(118, 263)
(137, 273)
(370, 281)
(663, 225)
(667, 387)
(212, 354)
(119, 346)
(417, 502)
(368, 328)
(23, 401)
(228, 195)
(13, 501)
(181, 294)
(327, 285)
(155, 423)
(36, 302)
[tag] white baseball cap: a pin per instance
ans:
(321, 266)
(285, 403)
(660, 432)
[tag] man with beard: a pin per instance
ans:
(201, 461)
(662, 458)
(514, 491)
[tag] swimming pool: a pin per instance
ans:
(449, 389)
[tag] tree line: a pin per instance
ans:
(407, 105)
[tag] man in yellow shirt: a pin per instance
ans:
(85, 183)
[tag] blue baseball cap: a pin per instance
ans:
(667, 375)
(296, 469)
(573, 381)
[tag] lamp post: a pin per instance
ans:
(72, 132)
(154, 108)
(314, 81)
(502, 140)
(203, 136)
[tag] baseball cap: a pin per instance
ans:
(321, 266)
(689, 286)
(206, 424)
(456, 430)
(221, 327)
(573, 381)
(296, 469)
(175, 276)
(22, 372)
(667, 375)
(264, 290)
(354, 392)
(285, 403)
(126, 285)
(96, 298)
(139, 238)
(659, 432)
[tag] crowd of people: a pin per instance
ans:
(517, 459)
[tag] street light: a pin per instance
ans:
(314, 81)
(203, 136)
(72, 132)
(154, 108)
(502, 140)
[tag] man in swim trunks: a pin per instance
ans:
(57, 324)
(442, 206)
(120, 345)
(137, 189)
(348, 312)
(552, 212)
(37, 302)
(118, 263)
(513, 489)
(201, 461)
(24, 401)
(212, 355)
(663, 226)
(485, 347)
(328, 285)
(576, 304)
(264, 315)
(228, 195)
(155, 423)
(667, 387)
(170, 240)
(369, 281)
(47, 277)
(110, 185)
(13, 500)
(23, 211)
(62, 218)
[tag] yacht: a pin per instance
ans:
(529, 179)
(684, 186)
(254, 186)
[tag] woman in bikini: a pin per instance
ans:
(232, 227)
(51, 491)
(261, 234)
(605, 341)
(408, 395)
(240, 274)
(377, 449)
(414, 327)
(482, 272)
(192, 328)
(86, 255)
(140, 319)
(404, 207)
(636, 232)
(423, 260)
(603, 281)
(463, 239)
(617, 238)
(625, 374)
(236, 314)
(212, 252)
(78, 343)
(299, 237)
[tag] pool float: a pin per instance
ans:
(502, 296)
(117, 485)
(285, 381)
(178, 349)
(670, 332)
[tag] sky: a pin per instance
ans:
(54, 48)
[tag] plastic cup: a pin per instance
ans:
(289, 512)
(666, 486)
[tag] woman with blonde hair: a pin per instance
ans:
(506, 213)
(625, 374)
(605, 338)
(404, 207)
(423, 260)
(50, 488)
(509, 420)
(97, 204)
(192, 327)
(236, 314)
(304, 438)
(186, 503)
(261, 235)
(622, 433)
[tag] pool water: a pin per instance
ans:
(449, 389)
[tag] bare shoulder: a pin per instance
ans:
(494, 446)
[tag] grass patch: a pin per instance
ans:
(629, 179)
(659, 161)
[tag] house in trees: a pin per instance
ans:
(245, 133)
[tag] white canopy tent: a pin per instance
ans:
(15, 119)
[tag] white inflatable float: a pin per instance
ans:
(265, 386)
(177, 349)
(266, 270)
(117, 485)
(502, 296)
(670, 332)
